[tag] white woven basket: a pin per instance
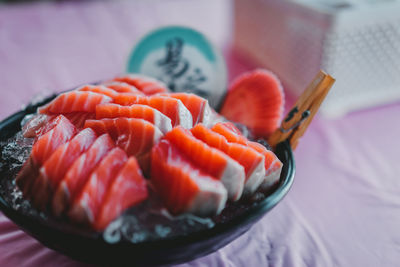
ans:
(357, 42)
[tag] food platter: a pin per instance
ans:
(89, 246)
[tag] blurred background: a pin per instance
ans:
(343, 209)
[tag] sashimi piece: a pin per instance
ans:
(78, 118)
(147, 85)
(35, 126)
(171, 107)
(198, 106)
(87, 205)
(182, 186)
(55, 167)
(99, 89)
(73, 101)
(230, 132)
(77, 175)
(122, 87)
(137, 111)
(135, 136)
(273, 165)
(62, 132)
(251, 160)
(128, 189)
(210, 160)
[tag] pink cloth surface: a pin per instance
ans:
(344, 206)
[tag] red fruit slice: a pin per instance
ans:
(121, 87)
(197, 106)
(77, 175)
(256, 100)
(55, 167)
(210, 160)
(87, 205)
(73, 101)
(135, 136)
(62, 132)
(135, 111)
(251, 160)
(147, 85)
(128, 189)
(182, 186)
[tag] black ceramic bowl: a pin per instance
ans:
(90, 247)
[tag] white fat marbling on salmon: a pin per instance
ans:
(185, 118)
(256, 177)
(233, 179)
(210, 199)
(162, 122)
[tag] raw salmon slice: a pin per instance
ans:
(212, 161)
(171, 107)
(137, 111)
(55, 167)
(273, 165)
(182, 186)
(73, 101)
(135, 136)
(147, 85)
(99, 89)
(35, 127)
(197, 106)
(251, 160)
(230, 132)
(78, 118)
(87, 205)
(121, 87)
(127, 189)
(79, 172)
(62, 132)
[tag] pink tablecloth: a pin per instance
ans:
(344, 207)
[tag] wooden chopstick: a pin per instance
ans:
(300, 116)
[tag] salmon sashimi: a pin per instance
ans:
(230, 132)
(87, 205)
(78, 118)
(147, 85)
(198, 106)
(73, 101)
(212, 161)
(62, 132)
(135, 136)
(55, 167)
(39, 124)
(138, 111)
(121, 87)
(182, 186)
(171, 107)
(100, 89)
(79, 172)
(126, 190)
(251, 160)
(273, 165)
